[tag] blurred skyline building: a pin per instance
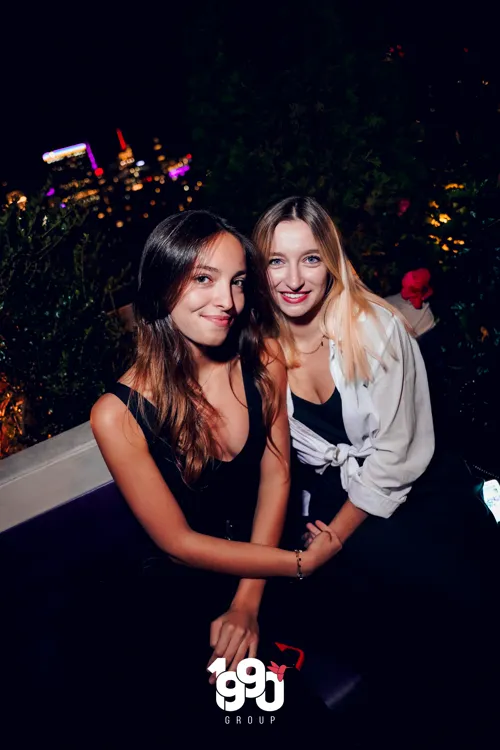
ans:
(129, 171)
(130, 192)
(74, 174)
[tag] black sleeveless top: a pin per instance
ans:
(327, 494)
(222, 501)
(324, 419)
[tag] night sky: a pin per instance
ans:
(71, 81)
(75, 73)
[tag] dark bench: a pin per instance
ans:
(54, 557)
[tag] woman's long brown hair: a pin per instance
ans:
(164, 364)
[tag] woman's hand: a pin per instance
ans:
(234, 636)
(322, 545)
(311, 533)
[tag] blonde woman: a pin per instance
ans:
(414, 534)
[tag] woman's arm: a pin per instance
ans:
(347, 520)
(126, 454)
(403, 443)
(345, 523)
(274, 484)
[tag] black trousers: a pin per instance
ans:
(410, 602)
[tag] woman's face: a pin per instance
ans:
(297, 275)
(214, 296)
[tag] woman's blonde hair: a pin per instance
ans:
(347, 296)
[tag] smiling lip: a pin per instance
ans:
(223, 321)
(294, 299)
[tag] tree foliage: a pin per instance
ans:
(465, 229)
(310, 110)
(311, 118)
(58, 346)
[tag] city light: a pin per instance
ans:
(62, 153)
(121, 139)
(175, 172)
(91, 157)
(140, 163)
(179, 169)
(94, 194)
(126, 157)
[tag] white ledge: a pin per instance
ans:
(50, 474)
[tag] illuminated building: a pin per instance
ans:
(74, 173)
(178, 169)
(160, 156)
(129, 171)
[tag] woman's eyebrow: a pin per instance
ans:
(212, 269)
(207, 268)
(304, 252)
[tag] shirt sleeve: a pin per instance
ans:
(403, 432)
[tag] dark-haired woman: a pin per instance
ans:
(196, 437)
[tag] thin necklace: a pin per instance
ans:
(202, 385)
(313, 350)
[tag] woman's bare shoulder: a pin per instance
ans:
(114, 426)
(107, 412)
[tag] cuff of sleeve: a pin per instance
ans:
(373, 501)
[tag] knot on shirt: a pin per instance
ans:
(336, 455)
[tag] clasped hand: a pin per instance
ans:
(321, 544)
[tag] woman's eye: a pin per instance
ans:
(201, 279)
(240, 283)
(275, 261)
(312, 259)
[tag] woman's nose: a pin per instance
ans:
(293, 277)
(224, 295)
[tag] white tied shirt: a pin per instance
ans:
(388, 421)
